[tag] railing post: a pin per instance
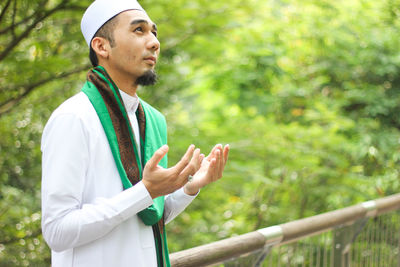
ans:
(274, 235)
(398, 247)
(344, 236)
(340, 244)
(262, 255)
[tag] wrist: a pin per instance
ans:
(148, 187)
(190, 190)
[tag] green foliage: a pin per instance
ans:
(306, 93)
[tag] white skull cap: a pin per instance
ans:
(100, 11)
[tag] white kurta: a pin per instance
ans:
(87, 218)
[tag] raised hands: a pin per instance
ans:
(210, 170)
(160, 181)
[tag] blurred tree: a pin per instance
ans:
(306, 93)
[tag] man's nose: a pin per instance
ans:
(153, 43)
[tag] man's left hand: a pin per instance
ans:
(211, 170)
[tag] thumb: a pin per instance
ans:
(157, 157)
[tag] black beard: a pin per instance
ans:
(148, 78)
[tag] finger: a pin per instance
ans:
(157, 156)
(212, 172)
(194, 162)
(192, 167)
(211, 154)
(195, 159)
(223, 160)
(201, 158)
(219, 158)
(184, 160)
(213, 151)
(219, 166)
(226, 153)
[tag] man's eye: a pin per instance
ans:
(155, 34)
(138, 29)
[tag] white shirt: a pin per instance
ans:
(131, 104)
(87, 218)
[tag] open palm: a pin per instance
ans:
(210, 170)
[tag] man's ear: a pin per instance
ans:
(101, 46)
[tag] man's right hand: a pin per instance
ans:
(160, 181)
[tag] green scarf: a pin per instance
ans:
(106, 100)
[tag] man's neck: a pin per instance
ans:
(130, 90)
(124, 84)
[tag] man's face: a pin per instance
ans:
(136, 47)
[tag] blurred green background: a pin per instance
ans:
(306, 92)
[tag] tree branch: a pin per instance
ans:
(4, 10)
(11, 103)
(13, 20)
(8, 28)
(75, 7)
(25, 19)
(28, 30)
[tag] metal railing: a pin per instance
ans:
(366, 234)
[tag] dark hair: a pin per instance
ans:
(107, 32)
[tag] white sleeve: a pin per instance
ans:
(66, 221)
(175, 203)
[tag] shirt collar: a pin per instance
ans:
(131, 102)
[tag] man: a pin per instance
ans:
(104, 150)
